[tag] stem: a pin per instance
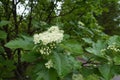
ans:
(19, 71)
(15, 16)
(30, 18)
(51, 10)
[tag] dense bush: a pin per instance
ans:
(58, 43)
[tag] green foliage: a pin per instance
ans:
(77, 77)
(6, 66)
(96, 48)
(114, 39)
(29, 57)
(3, 35)
(47, 75)
(106, 50)
(3, 23)
(105, 71)
(85, 53)
(22, 43)
(92, 77)
(110, 18)
(60, 60)
(72, 46)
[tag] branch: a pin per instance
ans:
(88, 62)
(18, 74)
(30, 17)
(21, 17)
(15, 16)
(51, 9)
(65, 13)
(19, 70)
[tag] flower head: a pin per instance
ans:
(36, 38)
(49, 64)
(53, 34)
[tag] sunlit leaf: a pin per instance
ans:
(26, 43)
(61, 64)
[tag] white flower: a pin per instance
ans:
(45, 51)
(103, 50)
(36, 38)
(53, 34)
(41, 51)
(49, 64)
(113, 47)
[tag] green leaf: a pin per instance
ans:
(29, 57)
(6, 68)
(1, 79)
(105, 71)
(61, 64)
(1, 49)
(25, 43)
(96, 48)
(3, 23)
(75, 64)
(47, 75)
(3, 34)
(72, 46)
(66, 36)
(92, 77)
(88, 40)
(117, 59)
(77, 77)
(114, 39)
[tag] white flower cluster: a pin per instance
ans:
(49, 64)
(53, 34)
(47, 49)
(103, 50)
(113, 47)
(36, 38)
(49, 39)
